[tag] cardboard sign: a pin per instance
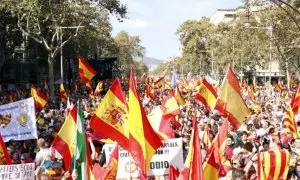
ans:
(17, 172)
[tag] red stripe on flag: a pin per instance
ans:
(136, 147)
(62, 147)
(209, 87)
(87, 66)
(203, 101)
(283, 163)
(272, 164)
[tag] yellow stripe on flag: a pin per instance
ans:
(68, 133)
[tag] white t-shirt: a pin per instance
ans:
(41, 155)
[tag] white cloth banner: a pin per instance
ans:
(17, 172)
(18, 121)
(170, 154)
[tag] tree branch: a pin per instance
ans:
(26, 32)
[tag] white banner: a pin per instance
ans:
(17, 172)
(18, 121)
(170, 154)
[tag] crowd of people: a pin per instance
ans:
(261, 131)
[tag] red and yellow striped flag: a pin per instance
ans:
(230, 102)
(207, 95)
(193, 163)
(65, 140)
(99, 87)
(62, 93)
(111, 117)
(288, 124)
(5, 159)
(39, 98)
(295, 104)
(273, 164)
(86, 72)
(170, 107)
(178, 96)
(159, 83)
(143, 140)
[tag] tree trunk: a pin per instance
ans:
(51, 77)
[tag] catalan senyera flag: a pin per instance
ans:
(99, 87)
(193, 163)
(66, 138)
(62, 93)
(178, 96)
(111, 117)
(206, 95)
(4, 159)
(273, 164)
(86, 72)
(295, 103)
(142, 138)
(230, 102)
(288, 123)
(39, 98)
(170, 107)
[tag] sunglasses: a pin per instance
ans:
(298, 164)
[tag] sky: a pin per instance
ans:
(156, 21)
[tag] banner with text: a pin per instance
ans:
(17, 172)
(18, 121)
(169, 154)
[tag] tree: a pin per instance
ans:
(41, 20)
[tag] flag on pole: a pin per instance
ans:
(62, 93)
(179, 97)
(288, 124)
(66, 138)
(273, 164)
(81, 164)
(99, 88)
(143, 140)
(206, 95)
(86, 72)
(193, 163)
(170, 107)
(39, 98)
(230, 102)
(295, 104)
(111, 117)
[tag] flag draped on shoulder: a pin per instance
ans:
(39, 98)
(273, 164)
(86, 72)
(206, 95)
(143, 140)
(84, 169)
(5, 159)
(62, 93)
(111, 117)
(193, 163)
(230, 102)
(288, 124)
(66, 138)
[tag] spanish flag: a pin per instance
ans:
(39, 98)
(206, 95)
(86, 72)
(230, 102)
(170, 107)
(66, 138)
(99, 87)
(62, 93)
(273, 164)
(193, 163)
(143, 140)
(159, 83)
(178, 96)
(111, 117)
(295, 104)
(5, 159)
(288, 124)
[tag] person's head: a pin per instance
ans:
(248, 146)
(98, 146)
(15, 156)
(41, 143)
(236, 163)
(244, 136)
(265, 124)
(238, 174)
(297, 143)
(297, 165)
(266, 145)
(24, 158)
(229, 140)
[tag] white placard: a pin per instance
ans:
(170, 154)
(18, 121)
(17, 172)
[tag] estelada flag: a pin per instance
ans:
(111, 117)
(66, 138)
(86, 72)
(295, 103)
(62, 93)
(99, 87)
(142, 138)
(230, 102)
(4, 159)
(273, 164)
(39, 98)
(206, 95)
(193, 163)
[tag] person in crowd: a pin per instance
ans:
(43, 151)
